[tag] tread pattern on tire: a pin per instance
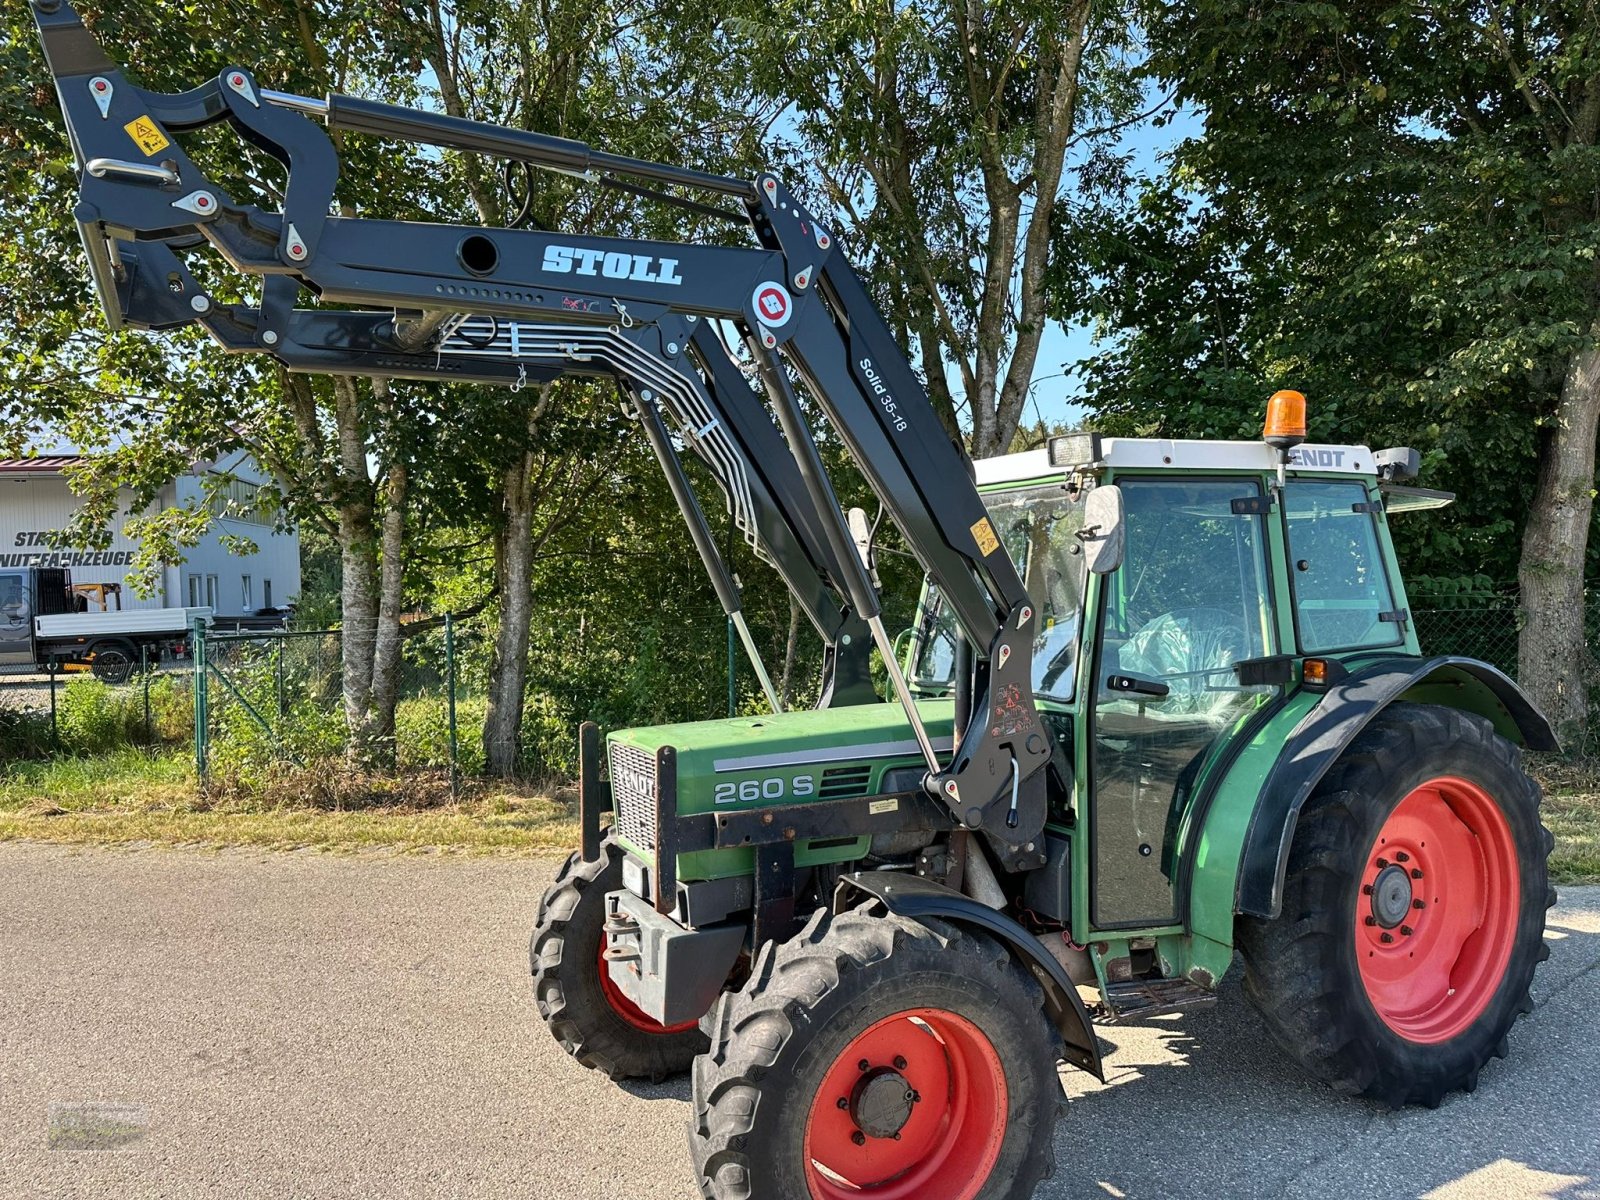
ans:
(1291, 975)
(590, 1032)
(751, 1030)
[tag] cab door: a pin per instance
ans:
(1191, 599)
(16, 618)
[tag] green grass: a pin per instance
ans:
(1572, 813)
(151, 797)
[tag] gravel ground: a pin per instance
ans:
(247, 1024)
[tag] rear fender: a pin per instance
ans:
(919, 899)
(1333, 723)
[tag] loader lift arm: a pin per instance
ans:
(445, 301)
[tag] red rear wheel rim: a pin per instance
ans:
(1446, 860)
(951, 1133)
(625, 1008)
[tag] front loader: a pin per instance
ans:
(1163, 700)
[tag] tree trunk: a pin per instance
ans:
(1554, 662)
(791, 651)
(508, 667)
(386, 643)
(358, 562)
(514, 554)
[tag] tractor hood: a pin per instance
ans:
(756, 762)
(866, 738)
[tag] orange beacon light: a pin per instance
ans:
(1286, 420)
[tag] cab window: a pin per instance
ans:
(1341, 589)
(1038, 527)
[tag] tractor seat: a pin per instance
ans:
(1192, 651)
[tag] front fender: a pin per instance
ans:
(1333, 723)
(919, 899)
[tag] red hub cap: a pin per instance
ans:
(625, 1008)
(1437, 913)
(914, 1108)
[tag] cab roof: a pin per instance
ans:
(1169, 454)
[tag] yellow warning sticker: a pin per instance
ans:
(147, 136)
(983, 533)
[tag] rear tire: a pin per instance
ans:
(113, 662)
(1413, 910)
(589, 1016)
(782, 1096)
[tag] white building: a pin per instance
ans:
(35, 501)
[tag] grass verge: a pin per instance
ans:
(1572, 813)
(136, 796)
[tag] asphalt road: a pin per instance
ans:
(243, 1024)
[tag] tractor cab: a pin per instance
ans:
(1174, 615)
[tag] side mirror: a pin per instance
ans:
(1103, 534)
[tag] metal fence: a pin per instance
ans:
(1482, 626)
(269, 696)
(1482, 629)
(71, 708)
(278, 696)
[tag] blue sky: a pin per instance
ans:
(1055, 385)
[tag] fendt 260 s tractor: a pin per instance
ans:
(1163, 700)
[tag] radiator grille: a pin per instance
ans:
(633, 788)
(841, 783)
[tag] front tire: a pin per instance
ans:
(1413, 910)
(588, 1014)
(875, 1057)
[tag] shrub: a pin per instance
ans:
(422, 733)
(24, 733)
(549, 738)
(93, 717)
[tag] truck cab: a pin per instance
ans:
(26, 593)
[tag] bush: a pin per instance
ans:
(172, 708)
(24, 733)
(549, 738)
(422, 733)
(93, 717)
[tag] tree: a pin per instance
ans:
(599, 73)
(1393, 207)
(342, 449)
(936, 133)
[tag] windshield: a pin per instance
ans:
(1038, 527)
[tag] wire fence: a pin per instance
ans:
(1481, 629)
(278, 697)
(249, 699)
(143, 698)
(1482, 626)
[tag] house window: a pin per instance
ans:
(194, 591)
(211, 591)
(239, 500)
(266, 593)
(245, 590)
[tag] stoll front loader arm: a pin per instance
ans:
(454, 302)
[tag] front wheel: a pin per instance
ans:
(588, 1014)
(875, 1058)
(1413, 910)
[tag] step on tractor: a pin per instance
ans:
(1163, 700)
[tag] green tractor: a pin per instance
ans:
(1248, 752)
(1163, 700)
